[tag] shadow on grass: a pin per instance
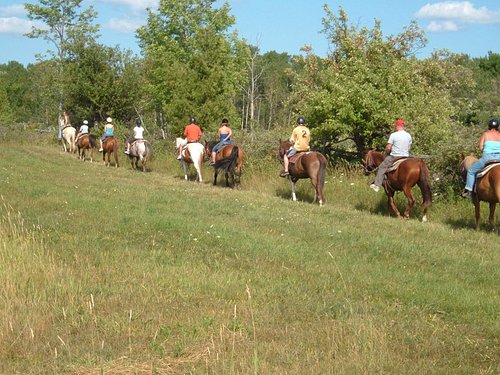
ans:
(469, 223)
(303, 194)
(381, 208)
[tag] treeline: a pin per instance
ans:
(192, 63)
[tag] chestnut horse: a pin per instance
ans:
(486, 189)
(410, 172)
(311, 164)
(110, 146)
(228, 159)
(68, 139)
(84, 143)
(192, 153)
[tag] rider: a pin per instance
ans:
(108, 131)
(301, 137)
(489, 144)
(84, 129)
(138, 135)
(398, 145)
(192, 132)
(224, 134)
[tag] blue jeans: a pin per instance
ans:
(476, 167)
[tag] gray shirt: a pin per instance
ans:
(400, 141)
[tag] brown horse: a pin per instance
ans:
(486, 189)
(228, 159)
(411, 172)
(84, 143)
(311, 165)
(110, 146)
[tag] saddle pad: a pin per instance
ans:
(396, 164)
(486, 169)
(297, 156)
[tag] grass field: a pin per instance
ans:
(112, 271)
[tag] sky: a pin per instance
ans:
(471, 27)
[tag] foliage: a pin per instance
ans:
(193, 65)
(366, 83)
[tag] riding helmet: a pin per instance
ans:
(493, 123)
(109, 119)
(301, 121)
(192, 120)
(85, 122)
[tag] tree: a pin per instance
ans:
(67, 26)
(366, 83)
(193, 64)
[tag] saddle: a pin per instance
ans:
(491, 164)
(296, 157)
(396, 163)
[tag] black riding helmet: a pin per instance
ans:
(493, 124)
(301, 121)
(192, 120)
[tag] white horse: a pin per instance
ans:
(141, 150)
(192, 153)
(68, 139)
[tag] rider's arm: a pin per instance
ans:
(481, 142)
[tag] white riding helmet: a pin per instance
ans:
(85, 122)
(109, 119)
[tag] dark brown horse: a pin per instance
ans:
(311, 165)
(487, 189)
(110, 146)
(84, 143)
(228, 159)
(411, 172)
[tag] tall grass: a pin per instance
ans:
(114, 271)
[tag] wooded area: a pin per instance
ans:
(193, 64)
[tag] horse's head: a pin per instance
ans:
(284, 147)
(209, 145)
(371, 160)
(465, 165)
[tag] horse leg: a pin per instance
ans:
(477, 212)
(411, 201)
(493, 206)
(294, 196)
(215, 177)
(391, 205)
(185, 168)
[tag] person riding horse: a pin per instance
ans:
(398, 145)
(138, 135)
(108, 131)
(301, 137)
(84, 129)
(193, 133)
(489, 145)
(224, 134)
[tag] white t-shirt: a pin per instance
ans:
(84, 129)
(138, 132)
(400, 141)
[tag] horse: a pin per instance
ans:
(141, 150)
(486, 189)
(229, 159)
(192, 154)
(110, 146)
(68, 139)
(311, 164)
(84, 143)
(410, 172)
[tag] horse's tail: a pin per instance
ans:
(229, 162)
(92, 141)
(148, 151)
(322, 171)
(425, 185)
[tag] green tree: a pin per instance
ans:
(193, 64)
(66, 26)
(366, 83)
